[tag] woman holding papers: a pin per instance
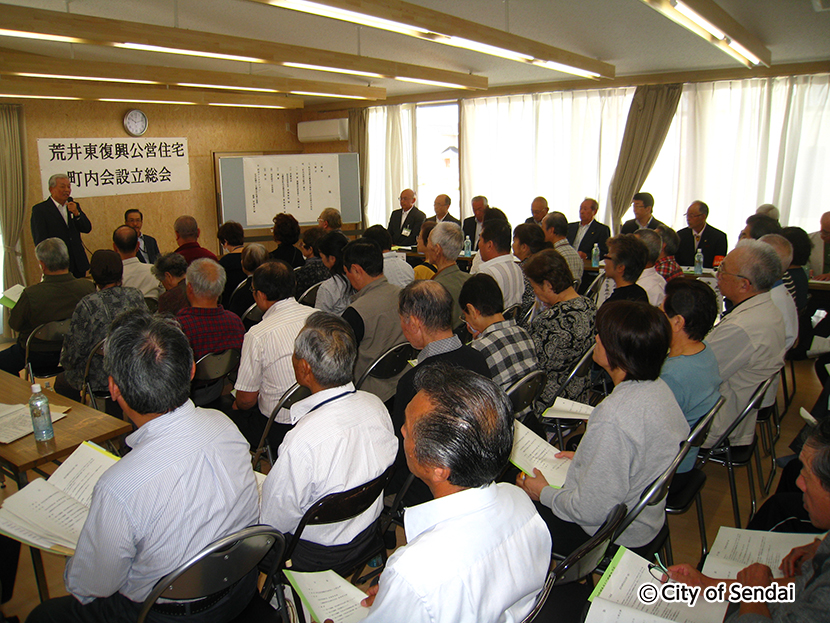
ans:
(632, 436)
(563, 332)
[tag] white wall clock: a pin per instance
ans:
(135, 122)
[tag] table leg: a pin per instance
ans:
(37, 559)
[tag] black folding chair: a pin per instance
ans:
(293, 394)
(51, 335)
(211, 372)
(87, 392)
(581, 369)
(524, 392)
(309, 297)
(389, 364)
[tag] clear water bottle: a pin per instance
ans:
(468, 247)
(595, 256)
(699, 262)
(41, 416)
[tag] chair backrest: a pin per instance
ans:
(512, 313)
(245, 283)
(52, 333)
(527, 389)
(525, 320)
(580, 370)
(293, 394)
(336, 507)
(698, 434)
(596, 285)
(252, 315)
(309, 297)
(581, 562)
(215, 366)
(754, 403)
(389, 364)
(97, 351)
(218, 566)
(152, 304)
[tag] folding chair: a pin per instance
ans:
(596, 285)
(87, 391)
(679, 500)
(389, 364)
(337, 507)
(580, 370)
(723, 453)
(526, 390)
(567, 605)
(512, 313)
(293, 394)
(309, 297)
(219, 566)
(53, 334)
(252, 316)
(211, 372)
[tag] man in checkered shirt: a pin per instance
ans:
(507, 347)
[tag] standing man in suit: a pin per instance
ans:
(643, 204)
(60, 217)
(820, 255)
(587, 231)
(699, 235)
(539, 209)
(473, 224)
(405, 224)
(442, 211)
(148, 248)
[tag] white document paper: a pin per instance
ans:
(11, 296)
(568, 409)
(329, 596)
(78, 474)
(530, 450)
(735, 549)
(16, 421)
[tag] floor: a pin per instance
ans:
(684, 529)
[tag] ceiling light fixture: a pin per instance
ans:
(335, 70)
(89, 78)
(165, 50)
(39, 97)
(224, 86)
(245, 105)
(138, 101)
(313, 94)
(21, 34)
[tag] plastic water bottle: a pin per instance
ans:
(468, 247)
(699, 262)
(595, 256)
(41, 416)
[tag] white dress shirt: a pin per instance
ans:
(140, 276)
(187, 482)
(265, 366)
(396, 270)
(508, 274)
(477, 556)
(654, 284)
(335, 446)
(62, 209)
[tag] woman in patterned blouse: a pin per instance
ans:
(563, 331)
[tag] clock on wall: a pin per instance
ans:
(135, 122)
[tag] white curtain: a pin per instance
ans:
(563, 146)
(739, 144)
(391, 160)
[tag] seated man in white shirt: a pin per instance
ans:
(136, 274)
(650, 280)
(498, 262)
(395, 268)
(342, 439)
(186, 483)
(478, 552)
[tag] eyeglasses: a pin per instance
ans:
(658, 570)
(690, 215)
(253, 289)
(723, 271)
(608, 257)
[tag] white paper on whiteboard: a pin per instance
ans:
(302, 188)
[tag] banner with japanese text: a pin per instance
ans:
(100, 167)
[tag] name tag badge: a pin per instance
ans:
(406, 230)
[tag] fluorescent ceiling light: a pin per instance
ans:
(245, 105)
(336, 70)
(350, 16)
(704, 23)
(224, 86)
(36, 35)
(158, 48)
(483, 48)
(566, 69)
(435, 83)
(89, 78)
(744, 52)
(137, 101)
(39, 97)
(313, 94)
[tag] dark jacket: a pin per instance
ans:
(712, 243)
(47, 222)
(597, 233)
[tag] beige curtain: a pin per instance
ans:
(649, 118)
(12, 198)
(358, 141)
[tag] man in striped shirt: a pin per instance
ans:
(494, 248)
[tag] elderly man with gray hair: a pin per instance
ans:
(187, 237)
(749, 342)
(342, 439)
(52, 298)
(209, 328)
(443, 247)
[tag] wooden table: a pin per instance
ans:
(81, 423)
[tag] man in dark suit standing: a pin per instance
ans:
(442, 211)
(148, 248)
(698, 235)
(643, 204)
(60, 217)
(472, 224)
(587, 231)
(405, 223)
(539, 210)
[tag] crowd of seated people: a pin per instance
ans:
(442, 417)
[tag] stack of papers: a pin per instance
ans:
(16, 421)
(49, 514)
(11, 296)
(736, 549)
(568, 409)
(326, 595)
(530, 450)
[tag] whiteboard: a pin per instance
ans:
(255, 188)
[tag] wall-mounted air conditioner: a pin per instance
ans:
(324, 130)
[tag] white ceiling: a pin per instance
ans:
(626, 33)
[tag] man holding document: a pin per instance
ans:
(186, 483)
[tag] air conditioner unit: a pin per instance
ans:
(321, 131)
